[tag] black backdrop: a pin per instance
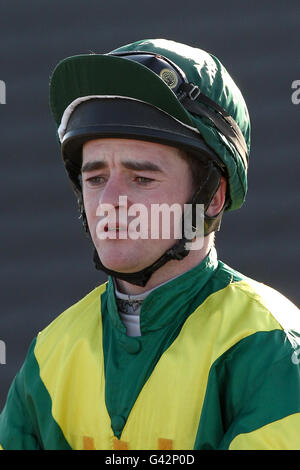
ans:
(45, 257)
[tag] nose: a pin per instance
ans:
(115, 195)
(112, 205)
(113, 189)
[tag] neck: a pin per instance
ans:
(169, 270)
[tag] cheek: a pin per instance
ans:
(179, 191)
(91, 201)
(180, 185)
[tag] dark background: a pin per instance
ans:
(45, 257)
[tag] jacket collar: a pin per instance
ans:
(170, 301)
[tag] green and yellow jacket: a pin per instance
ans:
(216, 367)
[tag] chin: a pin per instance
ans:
(129, 256)
(120, 261)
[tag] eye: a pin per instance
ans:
(143, 180)
(95, 180)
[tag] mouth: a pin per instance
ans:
(115, 228)
(115, 231)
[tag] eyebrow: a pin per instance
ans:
(130, 165)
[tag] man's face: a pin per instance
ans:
(143, 173)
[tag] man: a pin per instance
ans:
(177, 350)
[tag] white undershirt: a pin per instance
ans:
(132, 306)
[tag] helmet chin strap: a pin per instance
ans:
(203, 195)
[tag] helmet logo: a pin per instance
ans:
(169, 77)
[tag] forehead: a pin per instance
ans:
(116, 150)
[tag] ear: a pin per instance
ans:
(218, 200)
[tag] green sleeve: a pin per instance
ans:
(252, 399)
(18, 424)
(268, 417)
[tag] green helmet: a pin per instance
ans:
(162, 91)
